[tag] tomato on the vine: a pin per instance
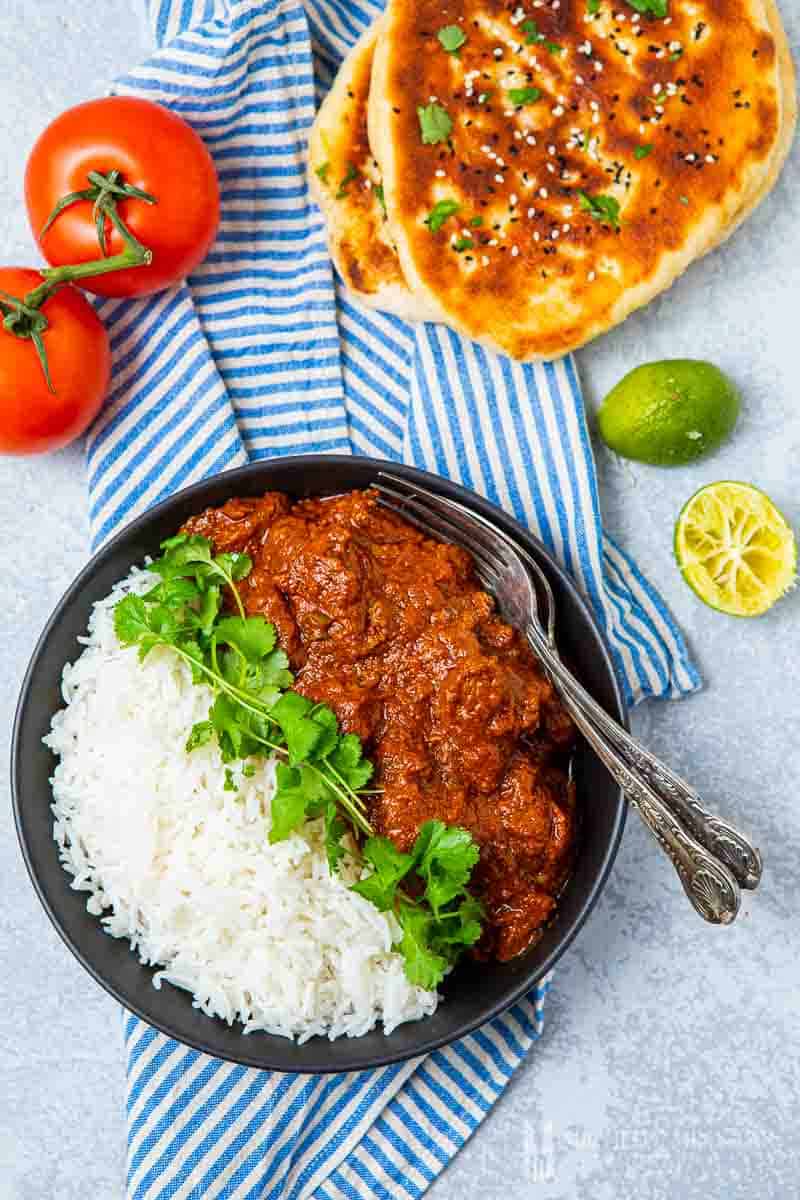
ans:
(130, 162)
(43, 409)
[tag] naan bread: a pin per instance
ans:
(345, 182)
(600, 152)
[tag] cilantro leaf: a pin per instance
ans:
(463, 243)
(349, 763)
(389, 866)
(322, 171)
(434, 124)
(253, 637)
(350, 174)
(325, 717)
(641, 152)
(380, 197)
(451, 38)
(335, 829)
(535, 37)
(592, 7)
(423, 966)
(524, 95)
(131, 621)
(602, 208)
(201, 733)
(301, 732)
(289, 802)
(476, 222)
(444, 856)
(656, 8)
(440, 212)
(230, 783)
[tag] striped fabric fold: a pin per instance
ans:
(262, 354)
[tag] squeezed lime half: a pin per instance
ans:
(735, 549)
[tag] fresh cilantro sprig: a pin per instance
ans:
(253, 711)
(320, 771)
(438, 917)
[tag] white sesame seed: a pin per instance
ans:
(690, 157)
(579, 79)
(530, 139)
(710, 158)
(619, 16)
(514, 251)
(501, 162)
(675, 47)
(536, 235)
(554, 234)
(497, 52)
(543, 192)
(558, 111)
(595, 118)
(486, 149)
(551, 168)
(661, 54)
(660, 109)
(568, 210)
(656, 89)
(484, 261)
(593, 104)
(598, 66)
(508, 112)
(518, 134)
(566, 227)
(591, 276)
(531, 212)
(551, 149)
(440, 174)
(667, 20)
(512, 199)
(499, 179)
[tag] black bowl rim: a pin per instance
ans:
(314, 462)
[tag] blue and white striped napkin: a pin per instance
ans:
(262, 355)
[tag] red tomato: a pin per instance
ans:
(32, 418)
(154, 150)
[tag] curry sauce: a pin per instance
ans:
(392, 630)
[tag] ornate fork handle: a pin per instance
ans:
(710, 886)
(722, 839)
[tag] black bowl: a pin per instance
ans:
(474, 993)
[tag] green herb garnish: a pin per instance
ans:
(322, 171)
(321, 772)
(602, 208)
(476, 222)
(643, 151)
(592, 7)
(451, 38)
(655, 8)
(350, 174)
(434, 124)
(378, 190)
(484, 96)
(683, 199)
(523, 95)
(438, 924)
(531, 29)
(676, 54)
(463, 243)
(440, 213)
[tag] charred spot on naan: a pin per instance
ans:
(582, 159)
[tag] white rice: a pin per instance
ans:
(257, 933)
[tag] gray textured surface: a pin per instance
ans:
(669, 1068)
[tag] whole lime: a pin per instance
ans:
(669, 413)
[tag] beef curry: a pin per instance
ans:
(392, 630)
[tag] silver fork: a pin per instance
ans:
(708, 853)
